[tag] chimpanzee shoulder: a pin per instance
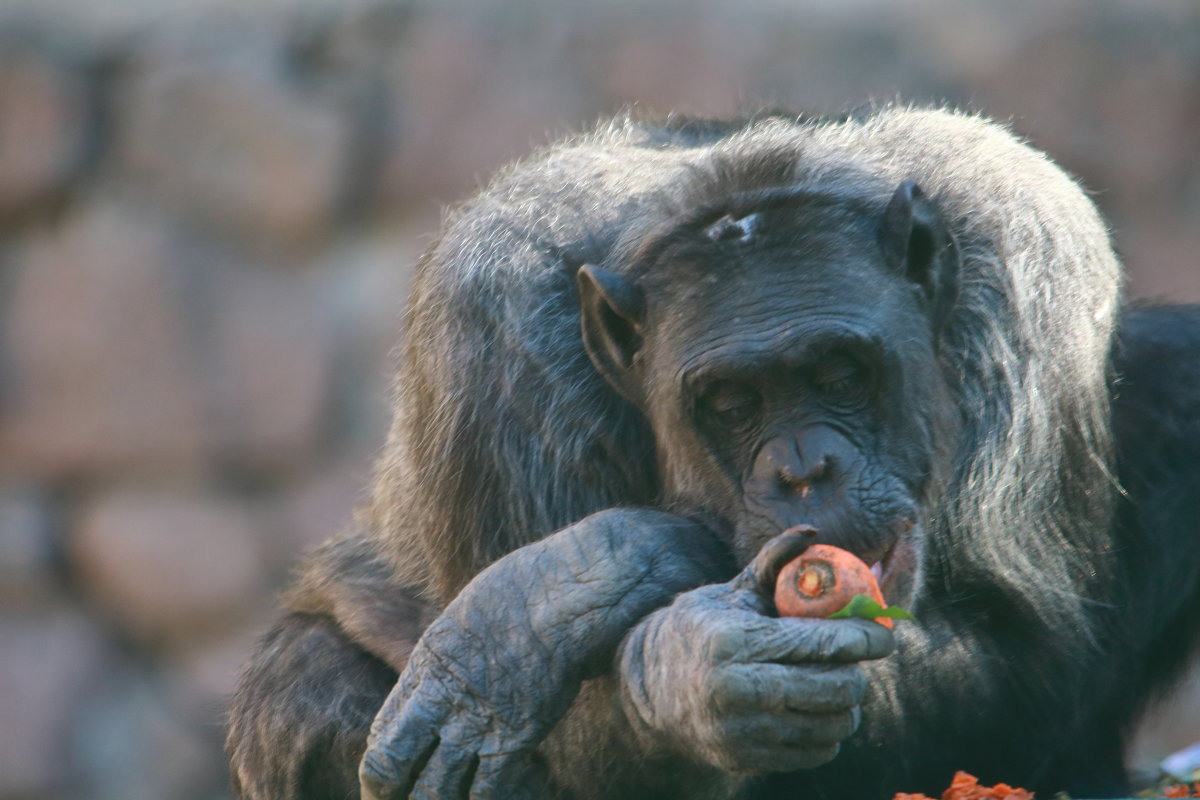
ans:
(1156, 403)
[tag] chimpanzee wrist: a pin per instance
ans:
(627, 563)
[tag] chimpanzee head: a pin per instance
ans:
(782, 344)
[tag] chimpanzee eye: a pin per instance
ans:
(732, 404)
(842, 378)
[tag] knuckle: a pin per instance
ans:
(857, 644)
(854, 680)
(870, 641)
(731, 690)
(826, 640)
(377, 775)
(842, 725)
(877, 641)
(848, 685)
(722, 644)
(729, 733)
(715, 684)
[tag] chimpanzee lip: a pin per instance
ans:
(889, 571)
(882, 567)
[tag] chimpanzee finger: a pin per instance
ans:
(838, 641)
(450, 771)
(397, 752)
(769, 744)
(777, 552)
(384, 776)
(794, 732)
(787, 689)
(796, 640)
(760, 574)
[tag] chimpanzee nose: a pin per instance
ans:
(792, 468)
(801, 481)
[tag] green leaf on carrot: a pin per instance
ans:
(863, 607)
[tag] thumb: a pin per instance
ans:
(760, 574)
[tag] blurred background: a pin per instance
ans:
(209, 212)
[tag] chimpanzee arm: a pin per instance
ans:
(500, 667)
(349, 581)
(300, 716)
(1156, 421)
(706, 687)
(299, 720)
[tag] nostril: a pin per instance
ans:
(802, 484)
(821, 469)
(790, 481)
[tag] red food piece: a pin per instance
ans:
(965, 786)
(822, 580)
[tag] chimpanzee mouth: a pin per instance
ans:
(895, 571)
(882, 568)
(877, 569)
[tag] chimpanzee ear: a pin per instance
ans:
(918, 245)
(612, 311)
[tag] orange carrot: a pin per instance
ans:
(822, 580)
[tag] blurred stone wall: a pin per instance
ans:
(208, 215)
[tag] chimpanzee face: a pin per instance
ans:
(783, 347)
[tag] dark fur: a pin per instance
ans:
(1051, 610)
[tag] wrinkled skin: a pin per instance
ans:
(768, 692)
(487, 682)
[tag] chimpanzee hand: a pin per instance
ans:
(494, 673)
(713, 678)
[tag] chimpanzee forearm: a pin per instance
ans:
(303, 707)
(299, 720)
(503, 663)
(349, 581)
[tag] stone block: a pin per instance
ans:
(97, 351)
(489, 79)
(266, 351)
(228, 138)
(167, 566)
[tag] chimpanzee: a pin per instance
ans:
(634, 365)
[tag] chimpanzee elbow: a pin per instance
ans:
(301, 713)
